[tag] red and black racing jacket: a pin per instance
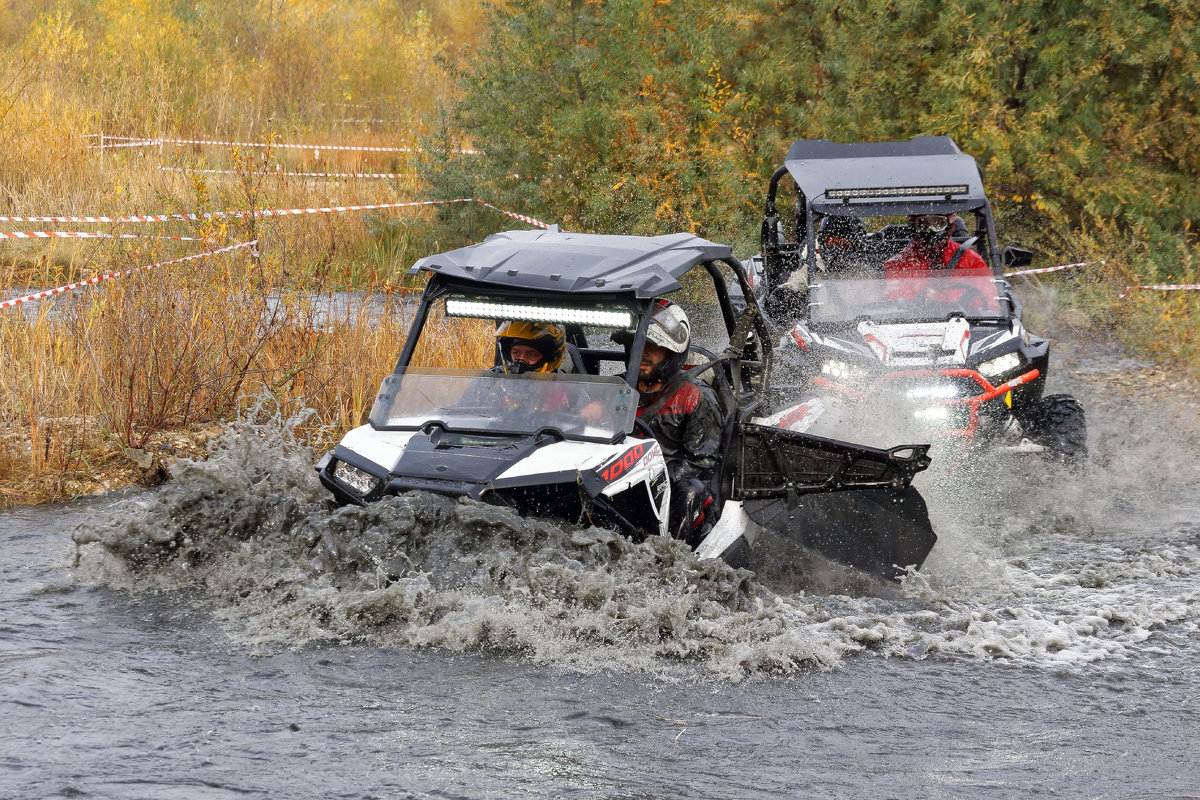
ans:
(687, 426)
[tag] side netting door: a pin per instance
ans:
(853, 504)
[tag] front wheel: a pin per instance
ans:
(1058, 424)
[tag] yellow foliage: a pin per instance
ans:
(185, 343)
(54, 42)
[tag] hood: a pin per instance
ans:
(919, 344)
(459, 463)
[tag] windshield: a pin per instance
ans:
(934, 296)
(579, 406)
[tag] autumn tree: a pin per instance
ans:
(644, 116)
(611, 116)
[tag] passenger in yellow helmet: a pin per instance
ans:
(530, 346)
(523, 349)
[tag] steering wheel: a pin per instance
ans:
(971, 296)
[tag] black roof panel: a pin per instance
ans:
(919, 146)
(818, 165)
(647, 266)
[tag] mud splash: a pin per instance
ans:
(250, 527)
(249, 534)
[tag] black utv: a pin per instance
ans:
(878, 346)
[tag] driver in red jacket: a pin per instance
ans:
(931, 252)
(932, 249)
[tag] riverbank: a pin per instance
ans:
(91, 470)
(1089, 363)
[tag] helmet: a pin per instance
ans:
(547, 339)
(932, 230)
(840, 239)
(669, 328)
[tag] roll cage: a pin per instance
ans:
(745, 362)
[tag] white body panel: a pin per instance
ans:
(734, 523)
(911, 345)
(382, 447)
(798, 418)
(561, 456)
(647, 470)
(919, 344)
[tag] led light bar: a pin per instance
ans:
(490, 309)
(942, 392)
(896, 191)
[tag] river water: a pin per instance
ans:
(229, 635)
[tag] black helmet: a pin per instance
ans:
(548, 339)
(840, 240)
(932, 230)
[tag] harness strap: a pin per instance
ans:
(959, 252)
(651, 411)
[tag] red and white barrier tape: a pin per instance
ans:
(125, 141)
(1042, 270)
(130, 143)
(292, 174)
(273, 213)
(97, 278)
(1164, 287)
(88, 235)
(237, 214)
(521, 217)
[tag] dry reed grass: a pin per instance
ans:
(90, 381)
(97, 387)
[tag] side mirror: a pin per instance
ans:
(1012, 257)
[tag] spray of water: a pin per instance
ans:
(1042, 567)
(250, 526)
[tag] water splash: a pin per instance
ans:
(1019, 574)
(282, 567)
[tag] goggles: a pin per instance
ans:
(934, 223)
(835, 241)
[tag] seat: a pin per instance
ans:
(573, 362)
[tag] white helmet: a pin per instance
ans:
(669, 327)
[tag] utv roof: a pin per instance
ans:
(925, 174)
(646, 266)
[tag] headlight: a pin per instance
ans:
(841, 371)
(998, 366)
(360, 480)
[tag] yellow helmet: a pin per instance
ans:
(548, 339)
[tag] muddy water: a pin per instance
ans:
(230, 635)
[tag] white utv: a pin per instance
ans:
(448, 420)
